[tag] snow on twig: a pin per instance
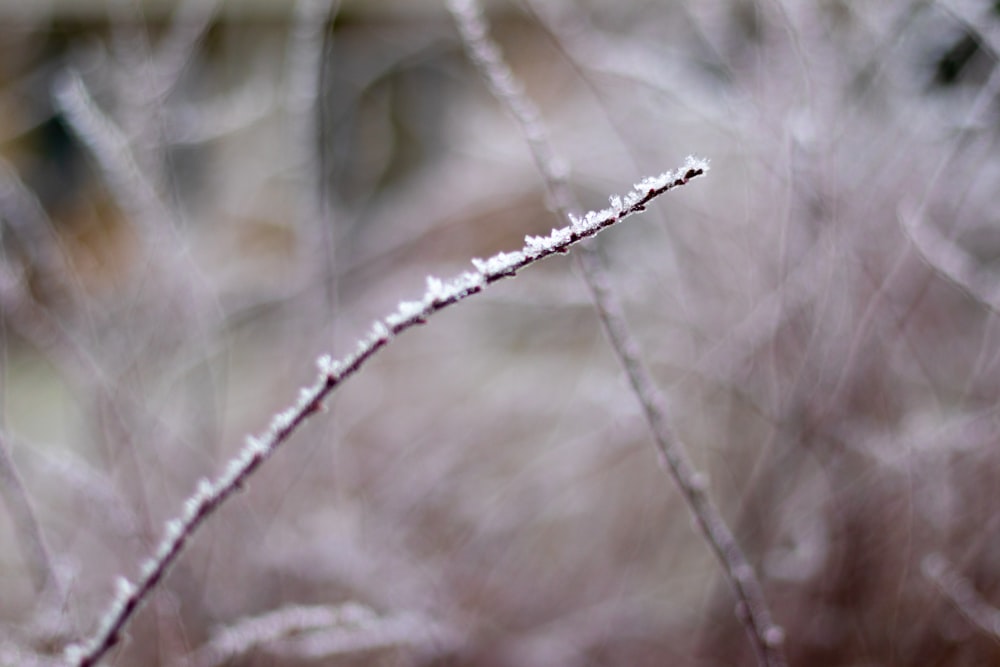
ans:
(210, 494)
(313, 632)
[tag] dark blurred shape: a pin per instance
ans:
(956, 59)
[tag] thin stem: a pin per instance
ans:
(110, 147)
(305, 74)
(950, 260)
(18, 502)
(440, 294)
(314, 632)
(962, 594)
(764, 634)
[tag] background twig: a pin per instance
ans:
(766, 636)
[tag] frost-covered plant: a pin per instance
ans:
(210, 494)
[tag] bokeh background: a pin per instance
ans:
(198, 199)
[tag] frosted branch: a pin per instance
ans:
(316, 631)
(210, 494)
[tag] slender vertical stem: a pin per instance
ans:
(766, 636)
(22, 512)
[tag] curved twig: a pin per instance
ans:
(440, 294)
